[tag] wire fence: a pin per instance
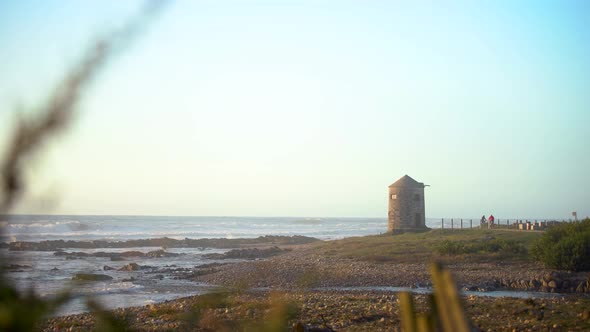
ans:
(517, 224)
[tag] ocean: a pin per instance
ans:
(45, 227)
(49, 274)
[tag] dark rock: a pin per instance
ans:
(565, 284)
(164, 242)
(111, 255)
(131, 267)
(91, 277)
(18, 267)
(75, 254)
(107, 268)
(161, 253)
(248, 253)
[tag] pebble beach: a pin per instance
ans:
(332, 293)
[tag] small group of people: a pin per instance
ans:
(489, 221)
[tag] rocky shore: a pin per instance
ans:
(221, 243)
(116, 256)
(250, 253)
(554, 282)
(304, 269)
(331, 311)
(315, 288)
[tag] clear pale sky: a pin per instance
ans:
(311, 108)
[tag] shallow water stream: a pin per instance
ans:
(424, 290)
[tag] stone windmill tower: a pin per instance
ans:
(406, 205)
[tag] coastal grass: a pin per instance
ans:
(474, 245)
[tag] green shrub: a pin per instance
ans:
(565, 246)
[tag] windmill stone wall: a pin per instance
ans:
(406, 206)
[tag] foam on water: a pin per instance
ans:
(39, 228)
(49, 275)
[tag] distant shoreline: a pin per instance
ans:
(166, 242)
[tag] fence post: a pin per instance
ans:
(461, 223)
(452, 226)
(470, 223)
(442, 223)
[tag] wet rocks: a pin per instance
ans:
(53, 245)
(252, 253)
(131, 267)
(91, 277)
(160, 253)
(554, 282)
(197, 271)
(115, 256)
(17, 267)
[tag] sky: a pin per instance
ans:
(309, 108)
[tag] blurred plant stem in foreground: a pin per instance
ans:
(54, 115)
(19, 310)
(446, 311)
